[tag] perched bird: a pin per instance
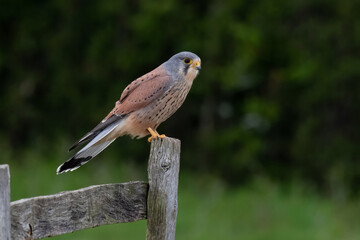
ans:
(143, 106)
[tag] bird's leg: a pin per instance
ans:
(154, 134)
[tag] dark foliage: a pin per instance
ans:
(278, 94)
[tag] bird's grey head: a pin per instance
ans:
(184, 65)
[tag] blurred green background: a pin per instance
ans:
(270, 130)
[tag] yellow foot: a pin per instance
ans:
(160, 136)
(154, 135)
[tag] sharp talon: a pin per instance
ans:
(160, 136)
(154, 134)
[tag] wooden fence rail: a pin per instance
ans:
(65, 212)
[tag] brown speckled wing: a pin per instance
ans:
(142, 92)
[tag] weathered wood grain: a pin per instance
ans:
(4, 202)
(65, 212)
(163, 171)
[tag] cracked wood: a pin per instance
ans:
(65, 212)
(163, 171)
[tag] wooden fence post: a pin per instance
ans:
(163, 174)
(56, 214)
(4, 202)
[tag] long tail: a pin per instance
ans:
(83, 157)
(93, 148)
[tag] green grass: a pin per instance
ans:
(208, 209)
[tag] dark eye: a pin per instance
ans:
(187, 60)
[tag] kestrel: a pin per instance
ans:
(143, 106)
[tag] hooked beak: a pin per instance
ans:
(197, 65)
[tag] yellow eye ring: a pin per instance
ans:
(188, 61)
